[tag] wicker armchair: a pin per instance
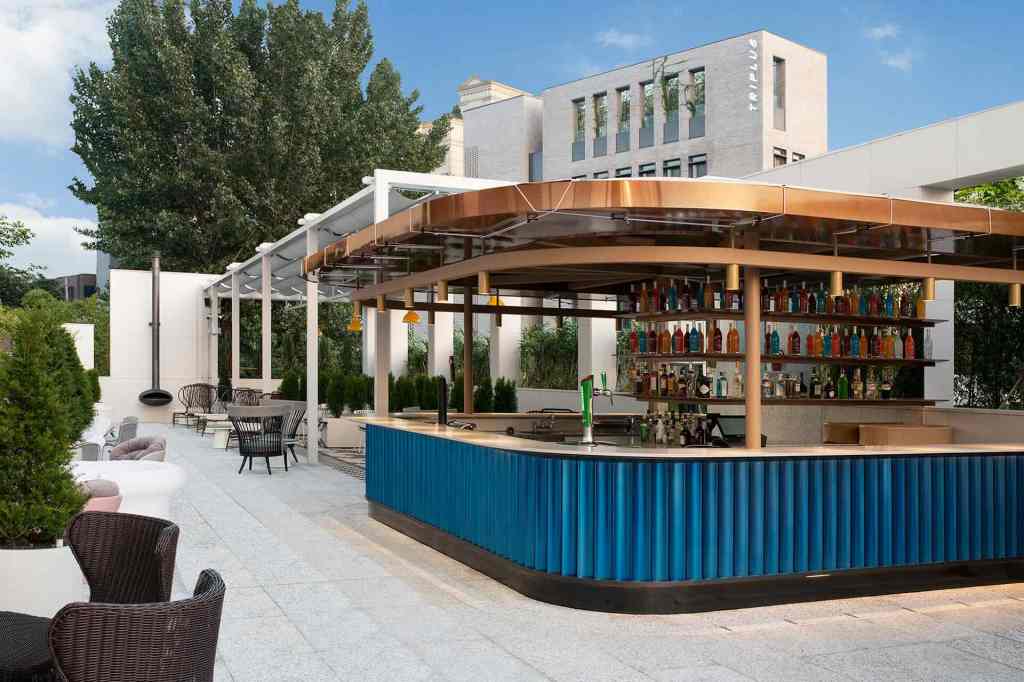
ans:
(292, 421)
(158, 642)
(260, 432)
(125, 558)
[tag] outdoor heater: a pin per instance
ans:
(156, 396)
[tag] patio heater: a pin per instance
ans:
(156, 396)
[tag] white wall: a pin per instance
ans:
(184, 345)
(83, 334)
(979, 426)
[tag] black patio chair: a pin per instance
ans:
(292, 421)
(191, 397)
(260, 432)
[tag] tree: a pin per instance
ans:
(212, 131)
(16, 282)
(38, 495)
(548, 357)
(988, 353)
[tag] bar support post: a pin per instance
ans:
(752, 368)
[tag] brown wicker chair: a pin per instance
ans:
(161, 642)
(125, 558)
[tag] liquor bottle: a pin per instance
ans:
(721, 386)
(854, 301)
(766, 384)
(716, 339)
(822, 300)
(863, 343)
(678, 342)
(906, 305)
(704, 387)
(641, 345)
(855, 344)
(920, 308)
(696, 296)
(803, 299)
(737, 382)
(830, 388)
(673, 382)
(793, 346)
(812, 302)
(830, 305)
(802, 388)
(634, 340)
(897, 344)
(843, 385)
(684, 296)
(644, 302)
(652, 338)
(871, 391)
(638, 380)
(716, 297)
(673, 296)
(873, 304)
(837, 343)
(776, 343)
(767, 301)
(694, 340)
(876, 344)
(782, 299)
(663, 382)
(890, 304)
(733, 339)
(631, 300)
(816, 387)
(701, 342)
(664, 340)
(655, 298)
(794, 300)
(709, 294)
(826, 343)
(858, 385)
(652, 382)
(909, 351)
(847, 343)
(927, 344)
(885, 387)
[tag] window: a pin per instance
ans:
(579, 177)
(779, 92)
(778, 157)
(695, 102)
(672, 168)
(647, 170)
(601, 175)
(601, 115)
(624, 103)
(579, 118)
(647, 120)
(624, 172)
(698, 165)
(670, 94)
(798, 157)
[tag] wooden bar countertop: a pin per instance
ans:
(504, 442)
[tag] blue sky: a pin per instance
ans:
(892, 66)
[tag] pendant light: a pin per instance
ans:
(835, 285)
(411, 316)
(442, 291)
(928, 283)
(483, 282)
(356, 323)
(1015, 287)
(732, 270)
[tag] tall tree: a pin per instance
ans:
(212, 131)
(15, 282)
(988, 353)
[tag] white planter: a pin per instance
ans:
(40, 581)
(343, 433)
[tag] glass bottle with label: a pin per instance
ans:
(737, 382)
(776, 343)
(909, 349)
(733, 339)
(694, 340)
(678, 342)
(673, 296)
(709, 294)
(843, 385)
(716, 339)
(684, 296)
(857, 386)
(855, 344)
(652, 339)
(721, 386)
(830, 387)
(793, 345)
(871, 391)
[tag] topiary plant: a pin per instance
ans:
(77, 391)
(38, 494)
(336, 393)
(483, 396)
(505, 399)
(289, 388)
(94, 381)
(456, 404)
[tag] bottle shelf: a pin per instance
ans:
(804, 318)
(786, 359)
(892, 402)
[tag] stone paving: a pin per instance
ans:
(317, 591)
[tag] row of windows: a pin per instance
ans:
(779, 157)
(694, 101)
(696, 167)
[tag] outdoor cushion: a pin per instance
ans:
(100, 487)
(138, 448)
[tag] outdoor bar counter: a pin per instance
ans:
(675, 530)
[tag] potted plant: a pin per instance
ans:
(45, 403)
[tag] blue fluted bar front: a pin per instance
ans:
(702, 519)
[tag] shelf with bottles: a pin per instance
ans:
(891, 402)
(787, 359)
(670, 302)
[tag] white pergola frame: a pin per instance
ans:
(274, 273)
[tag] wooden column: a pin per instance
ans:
(752, 335)
(467, 349)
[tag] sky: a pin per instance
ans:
(892, 67)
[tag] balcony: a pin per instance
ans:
(601, 146)
(646, 136)
(622, 141)
(697, 127)
(671, 128)
(579, 150)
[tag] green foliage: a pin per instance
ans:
(290, 387)
(505, 399)
(94, 384)
(427, 389)
(336, 393)
(988, 352)
(38, 495)
(547, 356)
(15, 282)
(211, 131)
(94, 310)
(483, 396)
(456, 404)
(78, 394)
(481, 354)
(417, 364)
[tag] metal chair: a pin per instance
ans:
(188, 396)
(260, 432)
(156, 642)
(292, 421)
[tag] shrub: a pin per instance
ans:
(457, 399)
(38, 494)
(505, 399)
(94, 381)
(427, 388)
(77, 390)
(336, 393)
(289, 388)
(483, 396)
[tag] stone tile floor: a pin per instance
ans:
(317, 591)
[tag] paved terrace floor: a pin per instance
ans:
(317, 591)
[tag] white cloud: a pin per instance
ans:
(41, 41)
(33, 200)
(901, 61)
(882, 31)
(621, 40)
(56, 246)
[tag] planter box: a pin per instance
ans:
(342, 432)
(40, 581)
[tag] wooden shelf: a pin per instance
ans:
(893, 402)
(785, 359)
(805, 318)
